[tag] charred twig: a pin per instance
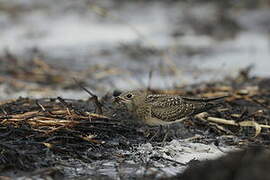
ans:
(67, 106)
(63, 102)
(3, 110)
(94, 98)
(40, 105)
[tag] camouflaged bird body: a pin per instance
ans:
(162, 109)
(170, 108)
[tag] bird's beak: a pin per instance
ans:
(118, 99)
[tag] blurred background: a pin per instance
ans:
(115, 44)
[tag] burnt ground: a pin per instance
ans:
(39, 137)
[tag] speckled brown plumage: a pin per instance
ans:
(158, 109)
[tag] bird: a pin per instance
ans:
(163, 109)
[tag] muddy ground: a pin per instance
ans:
(51, 127)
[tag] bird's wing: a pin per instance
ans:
(171, 108)
(144, 112)
(162, 100)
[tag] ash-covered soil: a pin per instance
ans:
(83, 138)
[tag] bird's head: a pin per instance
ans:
(132, 99)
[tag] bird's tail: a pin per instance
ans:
(204, 104)
(204, 99)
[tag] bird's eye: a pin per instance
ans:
(129, 96)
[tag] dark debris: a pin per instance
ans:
(41, 132)
(30, 130)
